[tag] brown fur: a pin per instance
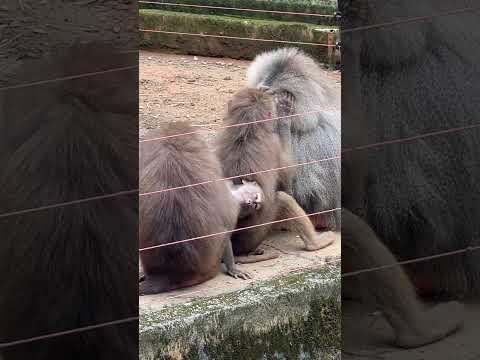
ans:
(72, 266)
(257, 147)
(181, 214)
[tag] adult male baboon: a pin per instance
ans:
(390, 289)
(183, 213)
(251, 149)
(299, 86)
(422, 196)
(74, 265)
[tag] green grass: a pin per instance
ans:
(305, 6)
(226, 26)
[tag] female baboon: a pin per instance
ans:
(184, 213)
(252, 148)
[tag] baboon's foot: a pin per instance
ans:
(239, 274)
(320, 241)
(256, 256)
(435, 324)
(153, 285)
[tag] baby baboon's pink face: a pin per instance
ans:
(249, 194)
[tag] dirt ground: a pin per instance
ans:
(182, 87)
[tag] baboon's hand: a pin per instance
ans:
(239, 274)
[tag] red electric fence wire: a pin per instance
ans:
(236, 38)
(236, 125)
(236, 230)
(68, 332)
(412, 261)
(235, 9)
(66, 203)
(133, 191)
(238, 176)
(410, 20)
(71, 77)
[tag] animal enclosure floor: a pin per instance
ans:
(368, 337)
(292, 258)
(197, 89)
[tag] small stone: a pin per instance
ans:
(227, 78)
(149, 58)
(195, 58)
(191, 80)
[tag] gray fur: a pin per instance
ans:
(423, 196)
(288, 72)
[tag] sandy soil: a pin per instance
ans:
(176, 87)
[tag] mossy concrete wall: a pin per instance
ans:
(228, 26)
(296, 316)
(293, 6)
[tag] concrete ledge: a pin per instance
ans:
(229, 26)
(294, 316)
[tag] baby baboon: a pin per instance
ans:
(299, 86)
(184, 213)
(256, 147)
(249, 195)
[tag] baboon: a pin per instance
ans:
(253, 148)
(184, 213)
(249, 195)
(298, 86)
(75, 265)
(422, 196)
(390, 289)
